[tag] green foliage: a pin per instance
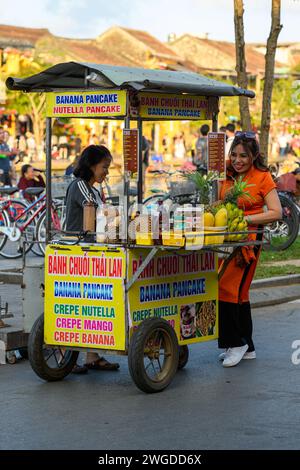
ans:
(19, 100)
(293, 252)
(265, 268)
(238, 190)
(263, 271)
(282, 103)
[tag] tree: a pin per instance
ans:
(242, 78)
(269, 77)
(32, 104)
(36, 112)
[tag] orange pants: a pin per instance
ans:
(235, 282)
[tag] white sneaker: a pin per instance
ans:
(222, 355)
(247, 355)
(234, 356)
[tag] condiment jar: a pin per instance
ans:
(89, 217)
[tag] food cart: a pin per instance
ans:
(145, 301)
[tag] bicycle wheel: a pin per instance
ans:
(285, 231)
(154, 198)
(4, 222)
(58, 220)
(22, 239)
(18, 208)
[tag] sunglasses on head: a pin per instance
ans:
(245, 134)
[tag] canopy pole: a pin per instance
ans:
(48, 178)
(126, 184)
(215, 183)
(140, 185)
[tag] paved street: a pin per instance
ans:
(252, 406)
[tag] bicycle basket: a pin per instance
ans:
(60, 185)
(181, 186)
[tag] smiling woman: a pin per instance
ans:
(235, 322)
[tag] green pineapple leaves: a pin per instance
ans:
(238, 190)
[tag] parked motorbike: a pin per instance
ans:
(284, 232)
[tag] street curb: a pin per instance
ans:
(271, 302)
(8, 277)
(276, 281)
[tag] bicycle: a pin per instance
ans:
(14, 207)
(15, 237)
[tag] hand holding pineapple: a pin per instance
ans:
(236, 220)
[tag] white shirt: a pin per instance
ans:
(228, 145)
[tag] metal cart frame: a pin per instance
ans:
(83, 77)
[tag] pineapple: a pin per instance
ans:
(236, 221)
(239, 189)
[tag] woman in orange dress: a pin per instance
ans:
(235, 322)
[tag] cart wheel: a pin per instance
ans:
(50, 364)
(153, 355)
(183, 356)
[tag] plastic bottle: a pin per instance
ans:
(100, 226)
(162, 221)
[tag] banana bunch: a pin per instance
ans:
(236, 222)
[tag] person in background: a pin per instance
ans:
(22, 146)
(165, 143)
(31, 146)
(230, 132)
(6, 156)
(30, 178)
(289, 182)
(283, 143)
(104, 136)
(145, 153)
(14, 157)
(200, 159)
(70, 169)
(77, 146)
(179, 147)
(93, 140)
(223, 129)
(63, 147)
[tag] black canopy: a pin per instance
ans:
(77, 76)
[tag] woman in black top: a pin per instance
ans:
(92, 167)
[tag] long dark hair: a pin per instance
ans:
(90, 156)
(251, 148)
(25, 168)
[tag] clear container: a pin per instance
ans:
(89, 217)
(101, 223)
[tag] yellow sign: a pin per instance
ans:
(164, 106)
(181, 287)
(86, 104)
(84, 297)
